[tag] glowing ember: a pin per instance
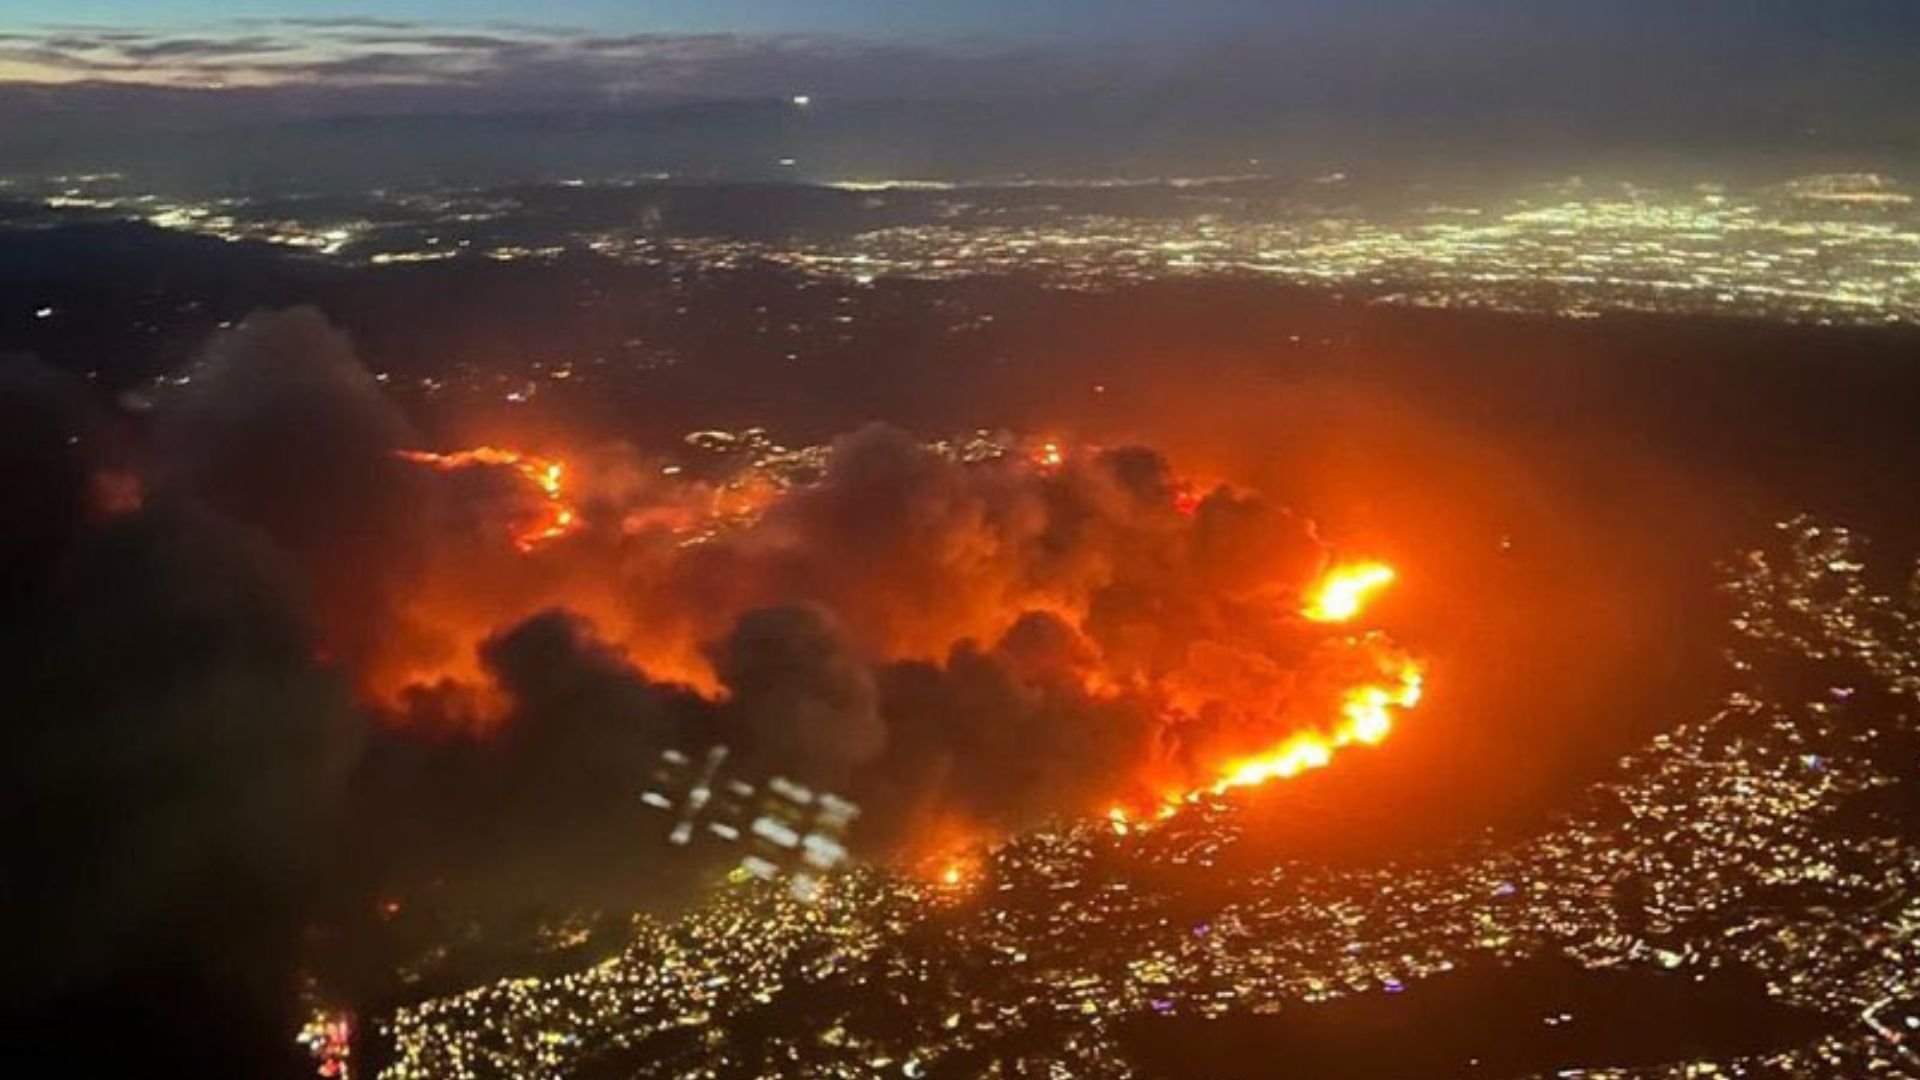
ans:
(545, 474)
(959, 874)
(1345, 590)
(115, 492)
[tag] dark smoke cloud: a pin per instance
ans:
(801, 696)
(995, 642)
(903, 545)
(544, 815)
(43, 423)
(1002, 737)
(281, 427)
(173, 759)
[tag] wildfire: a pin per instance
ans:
(1366, 712)
(545, 474)
(1345, 590)
(1246, 702)
(955, 875)
(1366, 719)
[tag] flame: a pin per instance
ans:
(1344, 591)
(949, 854)
(1366, 711)
(1366, 718)
(545, 474)
(956, 874)
(1279, 714)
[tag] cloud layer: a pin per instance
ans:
(1409, 78)
(547, 64)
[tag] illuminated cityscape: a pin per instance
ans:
(1835, 248)
(1742, 840)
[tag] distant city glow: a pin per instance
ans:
(1828, 248)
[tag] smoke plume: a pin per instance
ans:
(274, 658)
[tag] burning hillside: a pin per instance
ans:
(557, 517)
(966, 637)
(1167, 640)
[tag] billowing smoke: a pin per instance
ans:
(281, 428)
(799, 694)
(1129, 631)
(209, 609)
(175, 762)
(541, 815)
(44, 426)
(1004, 736)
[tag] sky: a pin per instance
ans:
(1014, 18)
(629, 50)
(696, 46)
(1233, 73)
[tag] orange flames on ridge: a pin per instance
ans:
(1366, 719)
(1366, 713)
(1366, 710)
(1344, 592)
(545, 474)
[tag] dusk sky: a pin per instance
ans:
(201, 42)
(884, 17)
(1223, 80)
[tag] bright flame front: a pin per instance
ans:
(1366, 719)
(1367, 710)
(1344, 592)
(545, 474)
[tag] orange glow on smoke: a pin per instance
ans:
(114, 493)
(1366, 711)
(1365, 717)
(1345, 590)
(948, 853)
(1246, 692)
(545, 474)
